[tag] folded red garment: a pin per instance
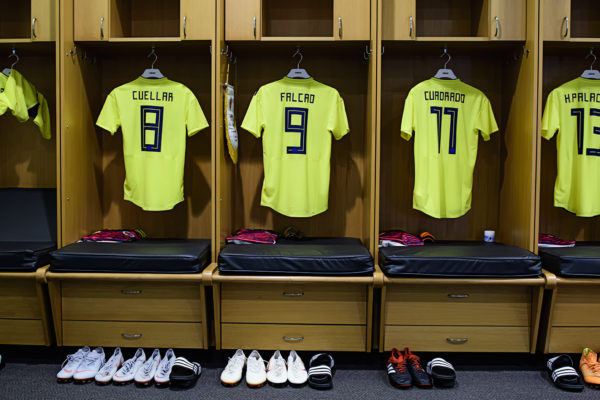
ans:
(249, 236)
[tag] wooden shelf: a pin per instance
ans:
(452, 39)
(21, 40)
(145, 39)
(297, 38)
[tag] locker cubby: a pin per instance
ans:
(585, 19)
(297, 18)
(144, 18)
(454, 18)
(15, 19)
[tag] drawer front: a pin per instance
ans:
(573, 340)
(132, 334)
(576, 306)
(27, 331)
(131, 301)
(458, 338)
(18, 299)
(294, 303)
(298, 337)
(458, 305)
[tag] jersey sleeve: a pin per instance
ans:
(408, 119)
(551, 118)
(253, 120)
(109, 118)
(338, 120)
(486, 123)
(195, 120)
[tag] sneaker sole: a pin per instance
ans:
(82, 381)
(101, 383)
(401, 386)
(278, 385)
(121, 383)
(63, 380)
(143, 383)
(230, 384)
(256, 385)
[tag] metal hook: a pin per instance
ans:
(14, 54)
(153, 53)
(226, 51)
(367, 53)
(445, 53)
(591, 53)
(298, 52)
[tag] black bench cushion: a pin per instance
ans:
(314, 256)
(24, 256)
(143, 256)
(462, 259)
(583, 260)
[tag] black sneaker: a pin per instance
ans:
(420, 377)
(397, 371)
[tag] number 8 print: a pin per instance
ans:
(296, 121)
(152, 124)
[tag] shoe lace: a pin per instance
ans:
(127, 366)
(256, 366)
(279, 366)
(72, 358)
(415, 361)
(234, 363)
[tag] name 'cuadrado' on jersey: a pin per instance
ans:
(154, 115)
(296, 118)
(446, 117)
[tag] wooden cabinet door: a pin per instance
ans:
(556, 19)
(197, 19)
(399, 19)
(508, 19)
(91, 19)
(242, 20)
(351, 19)
(43, 14)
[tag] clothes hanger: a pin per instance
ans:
(152, 73)
(445, 73)
(298, 73)
(591, 73)
(6, 71)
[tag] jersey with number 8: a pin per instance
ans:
(573, 109)
(446, 117)
(296, 118)
(154, 115)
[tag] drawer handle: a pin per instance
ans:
(293, 339)
(102, 28)
(566, 23)
(497, 26)
(131, 335)
(458, 295)
(131, 291)
(293, 294)
(457, 341)
(33, 21)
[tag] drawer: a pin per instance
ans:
(294, 303)
(132, 334)
(452, 338)
(22, 331)
(297, 337)
(458, 305)
(19, 299)
(576, 306)
(131, 301)
(573, 340)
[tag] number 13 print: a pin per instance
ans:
(296, 121)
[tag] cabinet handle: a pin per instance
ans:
(33, 21)
(457, 341)
(340, 27)
(101, 28)
(293, 294)
(458, 295)
(566, 22)
(131, 335)
(254, 26)
(293, 339)
(410, 21)
(497, 26)
(131, 291)
(184, 26)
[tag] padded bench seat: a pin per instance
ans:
(582, 260)
(24, 256)
(144, 256)
(314, 256)
(459, 259)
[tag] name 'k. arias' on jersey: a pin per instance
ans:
(296, 118)
(573, 110)
(154, 115)
(446, 117)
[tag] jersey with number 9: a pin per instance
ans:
(296, 118)
(154, 115)
(446, 117)
(573, 109)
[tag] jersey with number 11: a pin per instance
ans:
(446, 117)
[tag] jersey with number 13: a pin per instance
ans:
(154, 115)
(296, 118)
(446, 117)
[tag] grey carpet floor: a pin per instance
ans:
(37, 381)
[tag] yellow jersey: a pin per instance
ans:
(296, 118)
(446, 117)
(573, 110)
(154, 115)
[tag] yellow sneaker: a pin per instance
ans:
(590, 367)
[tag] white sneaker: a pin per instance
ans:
(89, 367)
(146, 373)
(127, 372)
(256, 374)
(105, 375)
(276, 370)
(164, 368)
(232, 374)
(297, 374)
(70, 365)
